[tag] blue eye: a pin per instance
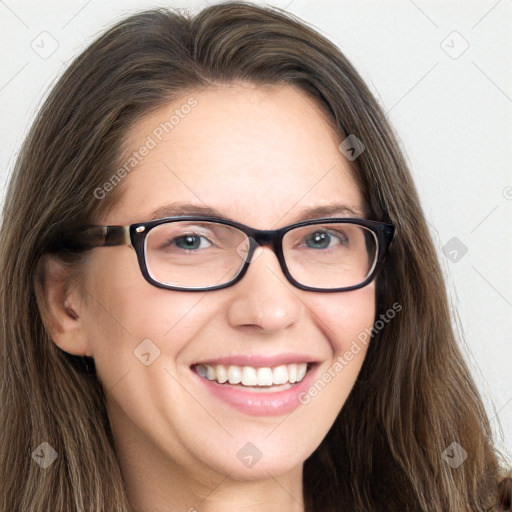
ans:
(190, 242)
(322, 240)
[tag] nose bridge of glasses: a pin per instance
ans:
(259, 239)
(265, 238)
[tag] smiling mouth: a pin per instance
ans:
(276, 377)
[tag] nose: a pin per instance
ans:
(264, 298)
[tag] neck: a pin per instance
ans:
(156, 481)
(225, 495)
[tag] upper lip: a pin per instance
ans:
(259, 360)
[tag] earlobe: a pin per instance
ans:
(60, 304)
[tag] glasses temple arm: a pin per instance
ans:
(99, 236)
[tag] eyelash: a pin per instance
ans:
(339, 236)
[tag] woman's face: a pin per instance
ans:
(262, 157)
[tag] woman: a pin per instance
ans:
(219, 289)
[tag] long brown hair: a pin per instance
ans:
(414, 395)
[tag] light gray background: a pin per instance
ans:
(450, 105)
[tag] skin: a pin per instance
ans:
(259, 155)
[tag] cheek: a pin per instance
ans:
(345, 317)
(126, 317)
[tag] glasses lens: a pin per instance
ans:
(195, 254)
(331, 255)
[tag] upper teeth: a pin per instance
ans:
(251, 376)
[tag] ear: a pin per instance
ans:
(60, 304)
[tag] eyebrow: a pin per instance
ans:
(328, 210)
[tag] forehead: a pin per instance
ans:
(256, 154)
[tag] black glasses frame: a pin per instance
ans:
(134, 235)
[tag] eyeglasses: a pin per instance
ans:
(192, 253)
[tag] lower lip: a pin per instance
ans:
(260, 403)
